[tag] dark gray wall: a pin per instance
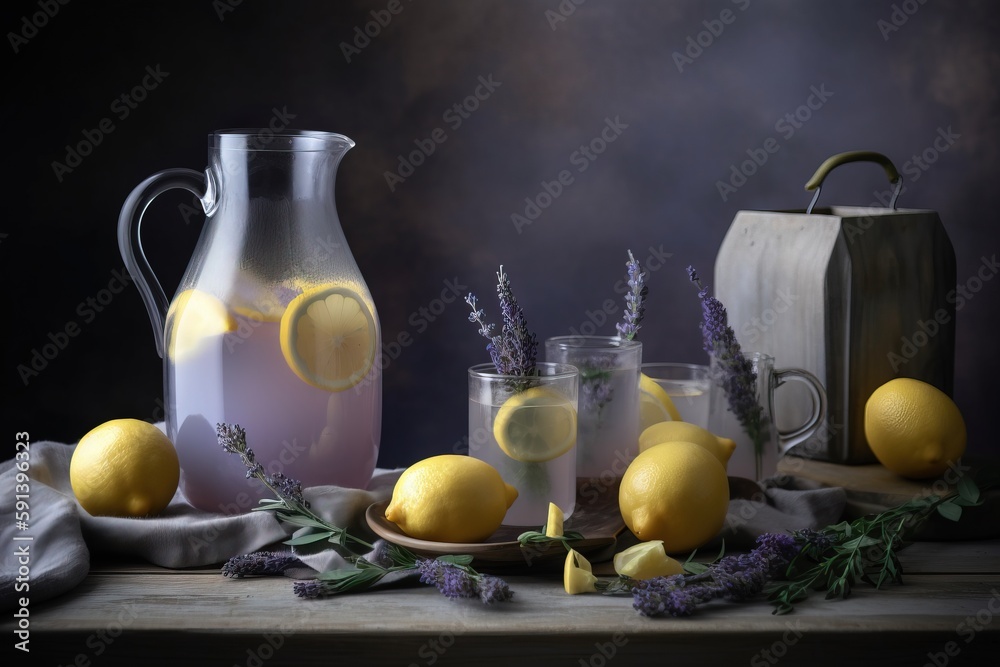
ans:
(656, 186)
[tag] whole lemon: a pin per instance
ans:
(721, 448)
(450, 498)
(676, 492)
(913, 428)
(124, 467)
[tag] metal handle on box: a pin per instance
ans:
(816, 182)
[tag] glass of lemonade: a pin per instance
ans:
(525, 427)
(609, 400)
(687, 385)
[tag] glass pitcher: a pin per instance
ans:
(272, 326)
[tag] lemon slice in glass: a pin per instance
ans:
(655, 405)
(194, 316)
(535, 425)
(328, 337)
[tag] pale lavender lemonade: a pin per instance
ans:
(687, 385)
(307, 433)
(537, 483)
(608, 426)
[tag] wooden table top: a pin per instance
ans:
(947, 612)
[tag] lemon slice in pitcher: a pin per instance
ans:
(655, 404)
(535, 425)
(194, 316)
(328, 337)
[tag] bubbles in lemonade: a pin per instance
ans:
(241, 377)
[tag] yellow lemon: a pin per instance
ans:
(655, 404)
(554, 524)
(193, 317)
(721, 448)
(450, 498)
(646, 560)
(578, 574)
(328, 337)
(124, 467)
(535, 425)
(677, 493)
(914, 429)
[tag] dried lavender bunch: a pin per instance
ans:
(634, 310)
(732, 371)
(260, 563)
(736, 577)
(515, 350)
(455, 579)
(289, 506)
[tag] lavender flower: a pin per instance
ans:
(313, 588)
(457, 581)
(381, 554)
(233, 440)
(259, 563)
(515, 350)
(634, 310)
(736, 577)
(494, 589)
(732, 371)
(596, 390)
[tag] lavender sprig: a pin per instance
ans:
(366, 570)
(732, 371)
(736, 577)
(260, 563)
(455, 579)
(634, 310)
(514, 351)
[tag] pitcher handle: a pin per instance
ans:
(130, 245)
(796, 436)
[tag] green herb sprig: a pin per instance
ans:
(452, 575)
(838, 557)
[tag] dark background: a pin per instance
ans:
(655, 186)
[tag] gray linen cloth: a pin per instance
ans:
(63, 534)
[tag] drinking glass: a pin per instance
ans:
(756, 455)
(525, 427)
(609, 400)
(687, 385)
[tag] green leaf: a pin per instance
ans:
(967, 490)
(309, 538)
(694, 567)
(950, 511)
(338, 574)
(464, 559)
(299, 520)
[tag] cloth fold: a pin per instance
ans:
(63, 535)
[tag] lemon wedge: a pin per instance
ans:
(194, 316)
(535, 425)
(554, 524)
(328, 337)
(645, 561)
(578, 574)
(655, 405)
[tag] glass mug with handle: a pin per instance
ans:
(757, 453)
